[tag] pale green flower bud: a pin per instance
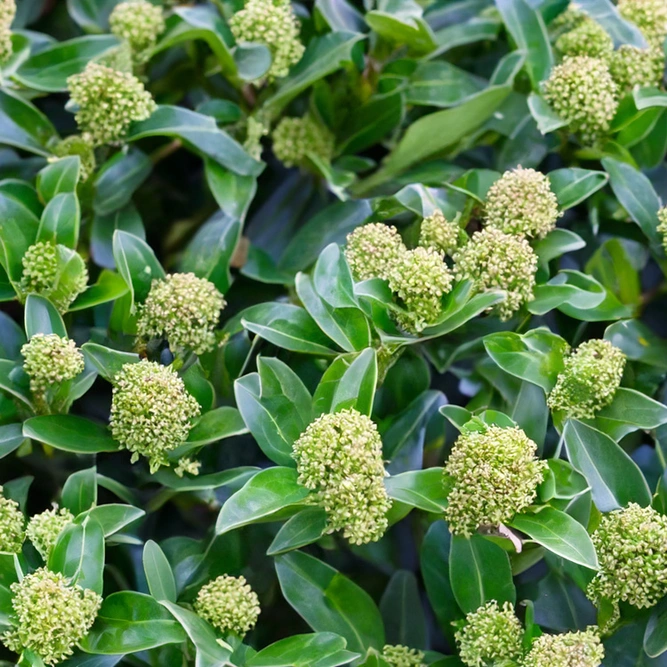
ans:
(183, 309)
(495, 260)
(521, 202)
(339, 458)
(402, 656)
(272, 23)
(44, 529)
(372, 251)
(583, 93)
(494, 475)
(572, 649)
(631, 545)
(650, 16)
(228, 604)
(490, 636)
(255, 130)
(295, 139)
(187, 465)
(139, 23)
(50, 359)
(7, 14)
(108, 102)
(437, 233)
(662, 226)
(54, 272)
(12, 526)
(77, 145)
(151, 411)
(51, 616)
(632, 67)
(588, 38)
(589, 379)
(420, 278)
(570, 19)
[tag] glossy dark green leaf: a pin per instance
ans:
(546, 118)
(630, 411)
(70, 434)
(320, 649)
(402, 611)
(574, 185)
(422, 489)
(91, 15)
(11, 438)
(608, 16)
(80, 491)
(233, 193)
(638, 342)
(302, 529)
(23, 126)
(655, 637)
(119, 178)
(61, 220)
(557, 243)
(59, 177)
(41, 316)
(158, 573)
(107, 361)
(401, 22)
(253, 60)
(215, 425)
(110, 286)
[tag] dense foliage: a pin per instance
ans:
(333, 333)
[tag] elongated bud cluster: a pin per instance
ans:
(12, 526)
(572, 649)
(139, 23)
(491, 635)
(495, 260)
(183, 309)
(50, 359)
(339, 457)
(589, 380)
(521, 202)
(151, 411)
(662, 226)
(373, 250)
(108, 102)
(437, 233)
(631, 545)
(295, 139)
(495, 475)
(52, 616)
(228, 604)
(402, 656)
(7, 14)
(272, 23)
(44, 529)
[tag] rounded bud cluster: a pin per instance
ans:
(42, 264)
(75, 144)
(339, 457)
(438, 233)
(589, 379)
(12, 526)
(521, 202)
(108, 102)
(632, 67)
(571, 18)
(151, 411)
(402, 656)
(7, 14)
(588, 38)
(491, 635)
(495, 260)
(583, 93)
(43, 529)
(272, 23)
(228, 604)
(650, 16)
(572, 649)
(662, 226)
(139, 23)
(372, 251)
(50, 359)
(184, 309)
(631, 545)
(51, 615)
(295, 139)
(494, 475)
(420, 278)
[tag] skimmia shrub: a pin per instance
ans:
(333, 333)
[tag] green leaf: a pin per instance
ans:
(11, 438)
(401, 22)
(23, 126)
(372, 121)
(201, 134)
(253, 60)
(402, 611)
(60, 220)
(302, 529)
(70, 434)
(572, 186)
(559, 533)
(268, 496)
(41, 316)
(422, 489)
(479, 571)
(655, 637)
(349, 382)
(109, 287)
(546, 118)
(119, 178)
(614, 478)
(329, 601)
(113, 517)
(129, 622)
(630, 411)
(126, 219)
(61, 176)
(159, 576)
(15, 382)
(91, 15)
(638, 342)
(108, 362)
(477, 29)
(80, 491)
(232, 477)
(647, 98)
(557, 243)
(608, 16)
(214, 425)
(232, 192)
(320, 649)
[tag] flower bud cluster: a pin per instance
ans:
(50, 359)
(12, 526)
(439, 234)
(151, 411)
(662, 225)
(588, 38)
(228, 604)
(632, 67)
(571, 649)
(75, 144)
(402, 656)
(295, 139)
(139, 23)
(108, 102)
(495, 260)
(494, 475)
(52, 616)
(631, 545)
(43, 529)
(339, 457)
(7, 14)
(589, 379)
(650, 16)
(491, 635)
(272, 23)
(373, 250)
(184, 309)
